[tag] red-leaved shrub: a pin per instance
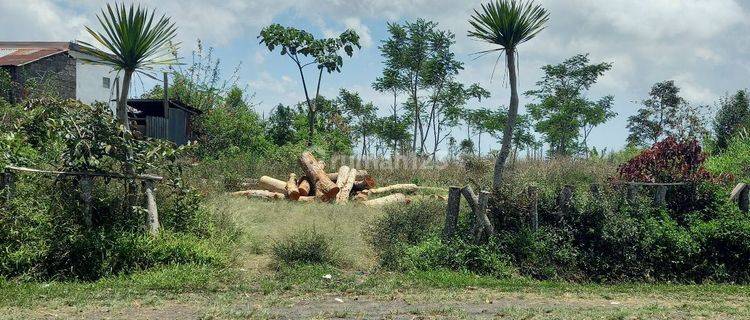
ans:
(669, 160)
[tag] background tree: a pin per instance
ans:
(304, 50)
(391, 81)
(450, 109)
(133, 42)
(507, 24)
(419, 60)
(364, 115)
(665, 114)
(732, 117)
(563, 113)
(281, 129)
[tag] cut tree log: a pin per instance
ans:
(346, 187)
(262, 194)
(361, 197)
(314, 171)
(292, 191)
(304, 186)
(307, 199)
(361, 174)
(365, 184)
(344, 174)
(390, 199)
(271, 184)
(404, 188)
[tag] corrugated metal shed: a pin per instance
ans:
(21, 53)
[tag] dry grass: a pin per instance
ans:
(266, 222)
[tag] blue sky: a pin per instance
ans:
(701, 44)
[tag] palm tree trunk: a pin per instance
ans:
(512, 115)
(122, 101)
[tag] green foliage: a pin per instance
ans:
(732, 118)
(132, 37)
(564, 115)
(403, 226)
(433, 254)
(665, 113)
(43, 231)
(734, 160)
(305, 246)
(508, 23)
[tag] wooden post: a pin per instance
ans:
(166, 96)
(740, 194)
(534, 207)
(86, 190)
(9, 184)
(153, 214)
(485, 225)
(660, 196)
(470, 196)
(565, 200)
(451, 213)
(595, 190)
(632, 192)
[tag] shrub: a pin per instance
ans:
(735, 160)
(43, 232)
(305, 246)
(459, 255)
(402, 226)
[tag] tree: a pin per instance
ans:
(391, 81)
(507, 24)
(299, 45)
(281, 129)
(450, 108)
(733, 116)
(134, 42)
(665, 114)
(418, 60)
(364, 113)
(563, 113)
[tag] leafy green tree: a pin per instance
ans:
(733, 116)
(665, 113)
(363, 113)
(391, 81)
(419, 60)
(134, 42)
(304, 50)
(281, 129)
(507, 24)
(451, 108)
(563, 113)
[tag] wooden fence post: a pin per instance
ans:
(632, 192)
(660, 196)
(741, 194)
(451, 214)
(534, 207)
(564, 201)
(86, 194)
(153, 214)
(8, 181)
(472, 200)
(484, 223)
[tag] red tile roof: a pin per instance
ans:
(21, 53)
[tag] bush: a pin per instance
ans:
(459, 255)
(43, 231)
(306, 246)
(402, 226)
(735, 160)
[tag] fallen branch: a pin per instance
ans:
(387, 200)
(263, 194)
(405, 188)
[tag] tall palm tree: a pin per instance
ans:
(507, 24)
(133, 42)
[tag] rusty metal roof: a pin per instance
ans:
(21, 53)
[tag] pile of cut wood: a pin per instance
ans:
(338, 187)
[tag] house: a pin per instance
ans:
(57, 66)
(148, 117)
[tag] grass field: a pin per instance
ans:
(257, 288)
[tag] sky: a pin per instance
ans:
(703, 45)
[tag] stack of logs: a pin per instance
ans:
(338, 187)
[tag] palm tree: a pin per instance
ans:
(134, 42)
(507, 24)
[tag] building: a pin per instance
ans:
(147, 117)
(59, 67)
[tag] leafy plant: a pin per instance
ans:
(667, 161)
(507, 24)
(134, 42)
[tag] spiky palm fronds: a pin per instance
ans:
(132, 38)
(508, 23)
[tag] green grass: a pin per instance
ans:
(257, 288)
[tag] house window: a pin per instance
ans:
(105, 82)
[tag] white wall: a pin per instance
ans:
(89, 82)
